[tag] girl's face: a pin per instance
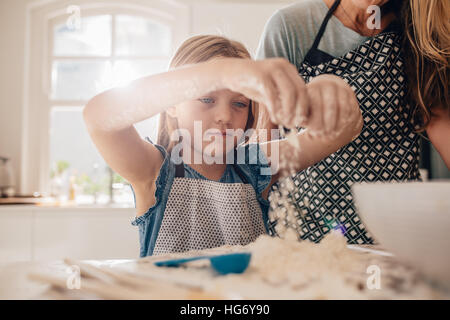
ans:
(219, 110)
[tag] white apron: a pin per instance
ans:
(203, 214)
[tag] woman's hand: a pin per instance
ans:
(334, 107)
(334, 121)
(275, 83)
(326, 106)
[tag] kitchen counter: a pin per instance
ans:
(71, 207)
(46, 202)
(399, 281)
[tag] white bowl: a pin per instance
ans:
(411, 220)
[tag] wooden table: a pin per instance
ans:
(400, 281)
(14, 282)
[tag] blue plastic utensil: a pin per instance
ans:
(223, 264)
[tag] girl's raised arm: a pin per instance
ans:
(110, 116)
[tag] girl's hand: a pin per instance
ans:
(334, 107)
(275, 83)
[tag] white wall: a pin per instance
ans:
(12, 37)
(243, 22)
(240, 20)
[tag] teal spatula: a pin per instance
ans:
(223, 264)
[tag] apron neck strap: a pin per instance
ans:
(179, 169)
(324, 24)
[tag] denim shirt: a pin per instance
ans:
(255, 169)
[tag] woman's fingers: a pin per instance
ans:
(342, 118)
(339, 109)
(330, 108)
(358, 121)
(315, 121)
(350, 112)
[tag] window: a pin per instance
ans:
(105, 50)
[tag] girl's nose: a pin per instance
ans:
(223, 113)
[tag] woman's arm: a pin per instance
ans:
(438, 131)
(335, 121)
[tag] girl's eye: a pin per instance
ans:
(206, 100)
(240, 104)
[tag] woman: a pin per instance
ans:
(332, 37)
(427, 55)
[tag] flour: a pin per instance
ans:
(279, 260)
(282, 207)
(291, 269)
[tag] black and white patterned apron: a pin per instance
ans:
(202, 214)
(386, 150)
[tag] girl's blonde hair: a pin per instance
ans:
(195, 50)
(427, 53)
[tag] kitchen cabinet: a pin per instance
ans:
(16, 235)
(33, 233)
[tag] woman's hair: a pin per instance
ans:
(427, 51)
(392, 6)
(195, 50)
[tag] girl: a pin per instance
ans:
(191, 204)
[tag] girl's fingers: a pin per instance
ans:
(287, 96)
(302, 106)
(270, 93)
(276, 84)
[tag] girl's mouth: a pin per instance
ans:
(221, 133)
